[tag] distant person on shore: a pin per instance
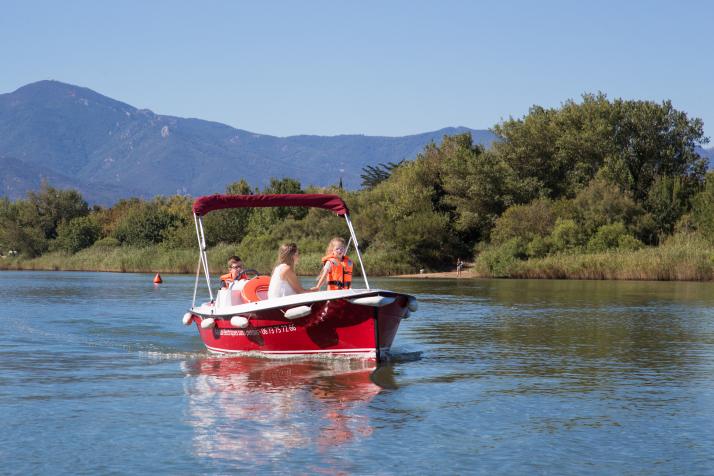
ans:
(459, 267)
(284, 281)
(235, 272)
(337, 267)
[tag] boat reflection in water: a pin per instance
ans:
(248, 409)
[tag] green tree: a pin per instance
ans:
(535, 219)
(262, 220)
(703, 209)
(653, 140)
(477, 186)
(614, 235)
(374, 174)
(145, 225)
(559, 151)
(50, 206)
(603, 203)
(667, 200)
(566, 235)
(77, 234)
(228, 225)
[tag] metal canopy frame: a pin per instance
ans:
(203, 257)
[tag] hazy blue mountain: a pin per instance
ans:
(708, 154)
(18, 177)
(108, 149)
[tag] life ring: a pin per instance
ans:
(256, 289)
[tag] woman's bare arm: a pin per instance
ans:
(292, 279)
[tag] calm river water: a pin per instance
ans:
(98, 376)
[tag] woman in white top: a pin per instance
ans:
(284, 281)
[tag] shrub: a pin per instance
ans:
(108, 242)
(144, 225)
(629, 243)
(525, 221)
(703, 210)
(539, 247)
(612, 236)
(565, 236)
(77, 234)
(497, 261)
(602, 203)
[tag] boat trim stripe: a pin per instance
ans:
(319, 351)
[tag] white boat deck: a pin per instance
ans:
(305, 299)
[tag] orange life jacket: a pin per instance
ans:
(340, 275)
(226, 279)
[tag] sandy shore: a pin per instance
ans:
(466, 273)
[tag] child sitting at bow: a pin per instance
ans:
(337, 268)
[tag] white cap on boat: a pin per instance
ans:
(239, 322)
(297, 312)
(207, 323)
(374, 301)
(187, 319)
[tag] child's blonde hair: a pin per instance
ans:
(331, 247)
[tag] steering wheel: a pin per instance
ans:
(251, 273)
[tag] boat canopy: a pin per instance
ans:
(209, 203)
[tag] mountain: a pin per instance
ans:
(75, 137)
(707, 154)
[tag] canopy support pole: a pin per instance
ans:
(353, 237)
(195, 285)
(202, 250)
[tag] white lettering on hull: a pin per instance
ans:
(261, 331)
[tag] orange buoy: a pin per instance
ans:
(157, 279)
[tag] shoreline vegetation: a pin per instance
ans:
(596, 189)
(687, 258)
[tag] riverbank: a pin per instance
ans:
(160, 259)
(467, 273)
(685, 259)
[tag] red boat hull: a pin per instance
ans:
(333, 327)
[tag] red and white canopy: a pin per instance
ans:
(209, 203)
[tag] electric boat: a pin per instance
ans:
(241, 319)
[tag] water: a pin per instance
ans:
(98, 376)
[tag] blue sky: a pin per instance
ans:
(367, 67)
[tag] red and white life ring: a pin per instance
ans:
(256, 289)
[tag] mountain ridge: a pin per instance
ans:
(96, 141)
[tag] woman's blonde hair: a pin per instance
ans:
(286, 254)
(330, 246)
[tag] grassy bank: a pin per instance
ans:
(683, 259)
(155, 259)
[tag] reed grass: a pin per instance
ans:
(159, 259)
(680, 259)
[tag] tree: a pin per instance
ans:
(651, 141)
(262, 220)
(50, 206)
(603, 203)
(558, 151)
(145, 225)
(536, 219)
(703, 209)
(228, 225)
(373, 175)
(77, 234)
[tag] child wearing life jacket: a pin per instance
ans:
(337, 268)
(235, 272)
